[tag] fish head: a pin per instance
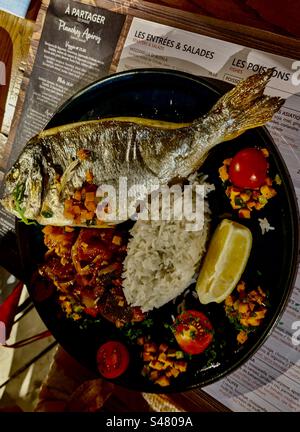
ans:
(24, 186)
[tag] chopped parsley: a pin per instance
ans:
(18, 195)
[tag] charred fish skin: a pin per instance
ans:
(49, 169)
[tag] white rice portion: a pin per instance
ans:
(162, 258)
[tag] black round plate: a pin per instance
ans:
(179, 97)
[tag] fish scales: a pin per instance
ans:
(147, 153)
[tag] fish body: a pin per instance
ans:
(54, 164)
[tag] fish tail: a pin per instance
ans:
(246, 107)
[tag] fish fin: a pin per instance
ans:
(246, 107)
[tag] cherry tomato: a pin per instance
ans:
(112, 359)
(248, 169)
(193, 331)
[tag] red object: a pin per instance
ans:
(112, 359)
(193, 331)
(248, 169)
(91, 311)
(8, 309)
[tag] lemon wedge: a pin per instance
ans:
(225, 261)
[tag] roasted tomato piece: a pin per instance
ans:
(248, 169)
(112, 359)
(193, 331)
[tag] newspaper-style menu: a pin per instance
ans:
(270, 380)
(77, 46)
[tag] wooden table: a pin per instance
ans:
(250, 22)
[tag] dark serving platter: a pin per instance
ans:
(179, 97)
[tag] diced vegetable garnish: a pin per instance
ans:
(163, 363)
(82, 206)
(246, 310)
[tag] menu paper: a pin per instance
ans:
(270, 380)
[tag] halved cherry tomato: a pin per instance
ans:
(248, 169)
(193, 331)
(112, 359)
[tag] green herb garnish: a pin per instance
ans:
(18, 195)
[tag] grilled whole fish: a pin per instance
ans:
(57, 162)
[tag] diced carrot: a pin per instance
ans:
(268, 181)
(242, 337)
(150, 347)
(163, 347)
(163, 381)
(68, 214)
(90, 205)
(244, 322)
(69, 229)
(261, 292)
(259, 206)
(245, 197)
(241, 286)
(76, 210)
(243, 308)
(260, 314)
(253, 321)
(89, 177)
(227, 161)
(229, 301)
(154, 364)
(90, 197)
(68, 203)
(154, 375)
(148, 357)
(169, 373)
(117, 240)
(180, 365)
(162, 357)
(236, 305)
(83, 154)
(140, 340)
(90, 215)
(175, 372)
(77, 195)
(268, 192)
